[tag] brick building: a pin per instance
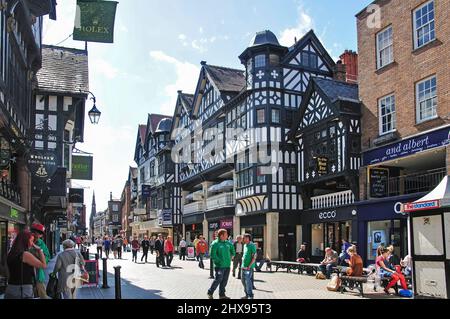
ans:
(404, 88)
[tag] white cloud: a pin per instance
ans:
(104, 68)
(186, 75)
(200, 30)
(182, 37)
(304, 24)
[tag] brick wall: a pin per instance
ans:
(409, 67)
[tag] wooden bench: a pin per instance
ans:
(288, 265)
(352, 283)
(310, 269)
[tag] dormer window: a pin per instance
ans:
(260, 61)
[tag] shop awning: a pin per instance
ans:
(228, 184)
(437, 198)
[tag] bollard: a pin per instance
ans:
(105, 274)
(211, 268)
(117, 283)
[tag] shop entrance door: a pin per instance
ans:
(334, 234)
(287, 243)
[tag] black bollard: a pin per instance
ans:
(117, 283)
(105, 274)
(211, 268)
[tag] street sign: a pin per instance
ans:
(82, 167)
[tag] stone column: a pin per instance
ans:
(184, 231)
(205, 228)
(236, 226)
(271, 240)
(299, 234)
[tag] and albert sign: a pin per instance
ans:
(408, 147)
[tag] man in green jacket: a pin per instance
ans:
(221, 252)
(38, 231)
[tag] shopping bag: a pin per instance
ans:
(52, 287)
(320, 275)
(334, 284)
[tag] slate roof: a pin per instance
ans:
(154, 120)
(264, 37)
(226, 79)
(338, 90)
(142, 132)
(64, 70)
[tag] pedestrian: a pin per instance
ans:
(385, 269)
(344, 255)
(260, 260)
(21, 264)
(135, 248)
(114, 246)
(159, 248)
(145, 244)
(70, 269)
(183, 246)
(202, 248)
(152, 244)
(302, 255)
(168, 250)
(248, 266)
(355, 263)
(195, 246)
(107, 246)
(119, 244)
(237, 259)
(125, 244)
(221, 252)
(78, 241)
(38, 233)
(99, 243)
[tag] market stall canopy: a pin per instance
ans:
(437, 198)
(214, 188)
(228, 184)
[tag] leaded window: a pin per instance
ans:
(261, 116)
(276, 116)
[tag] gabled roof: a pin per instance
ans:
(153, 121)
(226, 79)
(64, 70)
(310, 36)
(142, 130)
(331, 91)
(338, 90)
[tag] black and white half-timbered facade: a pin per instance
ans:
(328, 138)
(199, 131)
(268, 196)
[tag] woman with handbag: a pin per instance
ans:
(21, 265)
(71, 272)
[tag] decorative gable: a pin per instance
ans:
(316, 110)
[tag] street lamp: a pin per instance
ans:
(94, 113)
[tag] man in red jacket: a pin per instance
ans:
(202, 248)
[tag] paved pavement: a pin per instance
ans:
(185, 280)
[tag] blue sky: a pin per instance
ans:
(158, 48)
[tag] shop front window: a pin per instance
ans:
(382, 233)
(317, 240)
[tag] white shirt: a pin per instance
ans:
(183, 244)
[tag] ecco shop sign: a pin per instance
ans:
(327, 215)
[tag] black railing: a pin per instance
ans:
(417, 182)
(10, 191)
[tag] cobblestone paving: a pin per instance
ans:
(185, 280)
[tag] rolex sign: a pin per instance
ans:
(94, 21)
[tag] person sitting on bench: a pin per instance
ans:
(302, 256)
(260, 260)
(355, 263)
(385, 269)
(330, 261)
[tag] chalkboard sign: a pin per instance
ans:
(379, 182)
(92, 269)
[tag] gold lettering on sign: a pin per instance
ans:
(94, 29)
(322, 165)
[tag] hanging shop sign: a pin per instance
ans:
(82, 167)
(42, 164)
(146, 190)
(408, 147)
(94, 21)
(418, 206)
(379, 182)
(322, 166)
(76, 195)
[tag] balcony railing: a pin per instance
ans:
(193, 208)
(220, 201)
(333, 200)
(417, 182)
(10, 192)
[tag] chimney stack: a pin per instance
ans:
(339, 71)
(350, 59)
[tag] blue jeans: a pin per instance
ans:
(221, 280)
(327, 269)
(247, 281)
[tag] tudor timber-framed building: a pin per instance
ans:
(251, 111)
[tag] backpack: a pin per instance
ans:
(334, 284)
(405, 293)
